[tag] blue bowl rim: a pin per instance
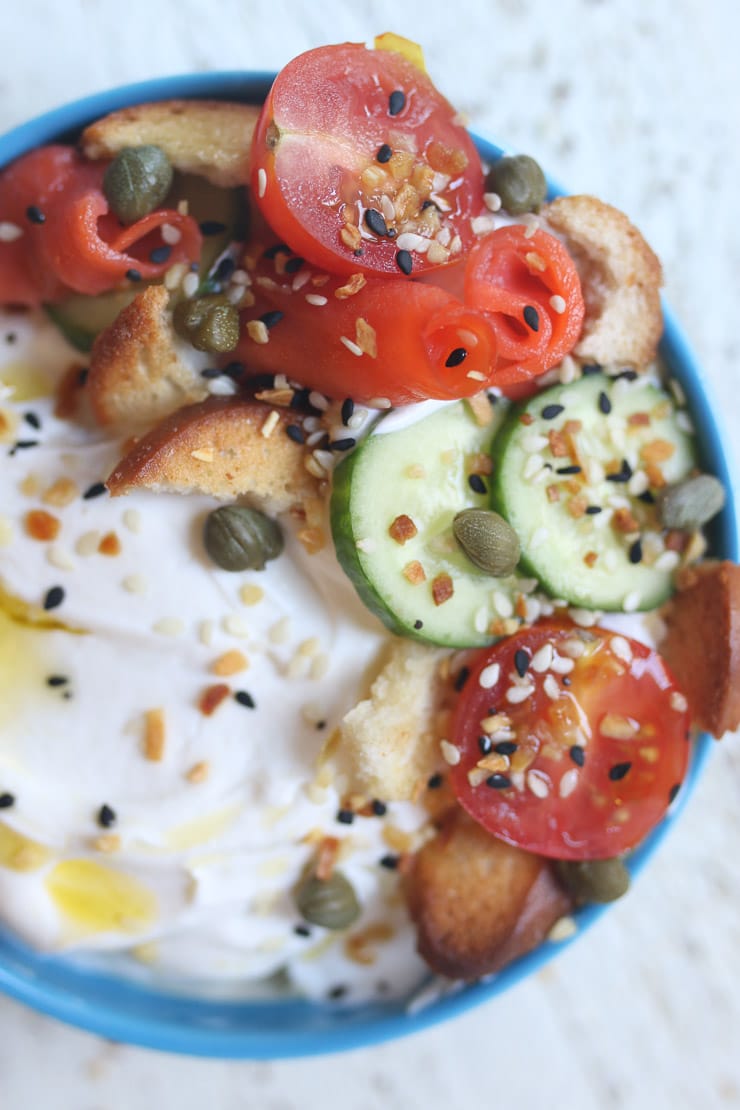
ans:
(46, 983)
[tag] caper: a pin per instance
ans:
(137, 181)
(689, 504)
(488, 540)
(330, 902)
(594, 880)
(209, 323)
(519, 182)
(237, 538)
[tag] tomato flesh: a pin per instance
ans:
(355, 148)
(584, 764)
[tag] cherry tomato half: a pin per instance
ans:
(356, 149)
(572, 742)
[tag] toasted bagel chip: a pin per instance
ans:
(621, 279)
(211, 138)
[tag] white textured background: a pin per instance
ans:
(637, 101)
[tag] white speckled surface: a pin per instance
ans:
(638, 103)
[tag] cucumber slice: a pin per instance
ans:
(589, 539)
(80, 319)
(420, 471)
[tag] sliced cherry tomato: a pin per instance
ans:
(515, 276)
(356, 149)
(572, 741)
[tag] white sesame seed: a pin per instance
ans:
(221, 387)
(190, 284)
(685, 423)
(456, 245)
(319, 666)
(9, 232)
(574, 648)
(551, 687)
(531, 224)
(557, 304)
(87, 544)
(476, 375)
(568, 371)
(170, 235)
(481, 225)
(532, 609)
(568, 783)
(174, 276)
(318, 400)
(532, 442)
(594, 471)
(538, 784)
(450, 753)
(135, 584)
(533, 465)
(315, 437)
(410, 241)
(235, 625)
(621, 648)
(492, 201)
(443, 236)
(60, 558)
(669, 560)
(480, 621)
(586, 618)
(327, 459)
(351, 346)
(489, 676)
(542, 658)
(517, 694)
(631, 602)
(169, 626)
(503, 604)
(379, 403)
(478, 775)
(279, 632)
(257, 331)
(678, 702)
(206, 632)
(270, 422)
(387, 208)
(316, 299)
(357, 419)
(235, 294)
(6, 531)
(563, 929)
(678, 392)
(539, 537)
(313, 466)
(261, 182)
(561, 664)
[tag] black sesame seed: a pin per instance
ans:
(392, 233)
(35, 215)
(531, 317)
(225, 269)
(566, 680)
(245, 699)
(133, 275)
(302, 930)
(293, 265)
(549, 412)
(635, 552)
(345, 816)
(505, 747)
(82, 377)
(10, 337)
(95, 490)
(345, 444)
(618, 770)
(498, 782)
(106, 817)
(477, 484)
(234, 369)
(160, 254)
(396, 102)
(57, 680)
(23, 445)
(278, 248)
(210, 372)
(211, 227)
(627, 375)
(320, 725)
(605, 404)
(434, 782)
(67, 695)
(647, 497)
(379, 808)
(348, 408)
(7, 800)
(418, 624)
(593, 510)
(485, 743)
(521, 662)
(568, 470)
(270, 319)
(673, 792)
(194, 267)
(456, 357)
(461, 678)
(577, 754)
(358, 252)
(389, 861)
(384, 154)
(623, 474)
(591, 368)
(296, 433)
(53, 598)
(376, 222)
(404, 261)
(33, 419)
(338, 992)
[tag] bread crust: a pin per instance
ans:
(477, 902)
(221, 447)
(210, 138)
(621, 279)
(702, 643)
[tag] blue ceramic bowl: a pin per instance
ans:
(128, 1011)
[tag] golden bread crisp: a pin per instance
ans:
(210, 138)
(226, 446)
(702, 645)
(478, 903)
(140, 371)
(621, 279)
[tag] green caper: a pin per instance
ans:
(237, 538)
(137, 181)
(209, 323)
(330, 902)
(689, 504)
(488, 540)
(519, 182)
(594, 880)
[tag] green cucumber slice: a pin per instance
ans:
(593, 559)
(420, 471)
